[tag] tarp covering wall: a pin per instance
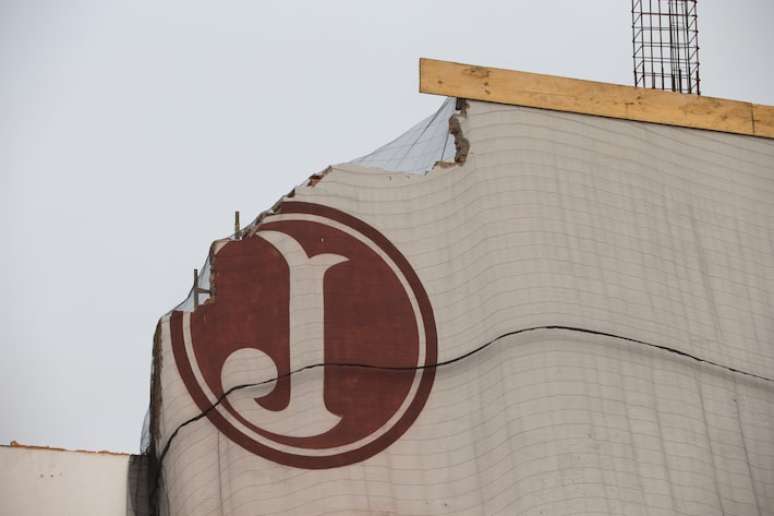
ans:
(578, 319)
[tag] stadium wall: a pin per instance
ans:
(601, 291)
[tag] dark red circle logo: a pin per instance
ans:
(322, 335)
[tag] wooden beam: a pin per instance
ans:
(764, 120)
(594, 98)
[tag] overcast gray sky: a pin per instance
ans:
(131, 131)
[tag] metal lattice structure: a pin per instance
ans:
(665, 42)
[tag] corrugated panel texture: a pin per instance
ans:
(663, 236)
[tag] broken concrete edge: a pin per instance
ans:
(314, 179)
(154, 410)
(462, 149)
(18, 445)
(246, 232)
(461, 144)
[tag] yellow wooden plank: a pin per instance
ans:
(764, 120)
(593, 98)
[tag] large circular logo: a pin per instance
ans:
(320, 332)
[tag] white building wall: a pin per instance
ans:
(43, 482)
(663, 236)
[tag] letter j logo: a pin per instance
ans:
(320, 292)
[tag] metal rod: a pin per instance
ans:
(665, 45)
(650, 40)
(687, 53)
(660, 44)
(196, 289)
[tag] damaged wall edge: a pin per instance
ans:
(461, 144)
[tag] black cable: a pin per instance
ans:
(437, 365)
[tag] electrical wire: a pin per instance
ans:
(436, 365)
